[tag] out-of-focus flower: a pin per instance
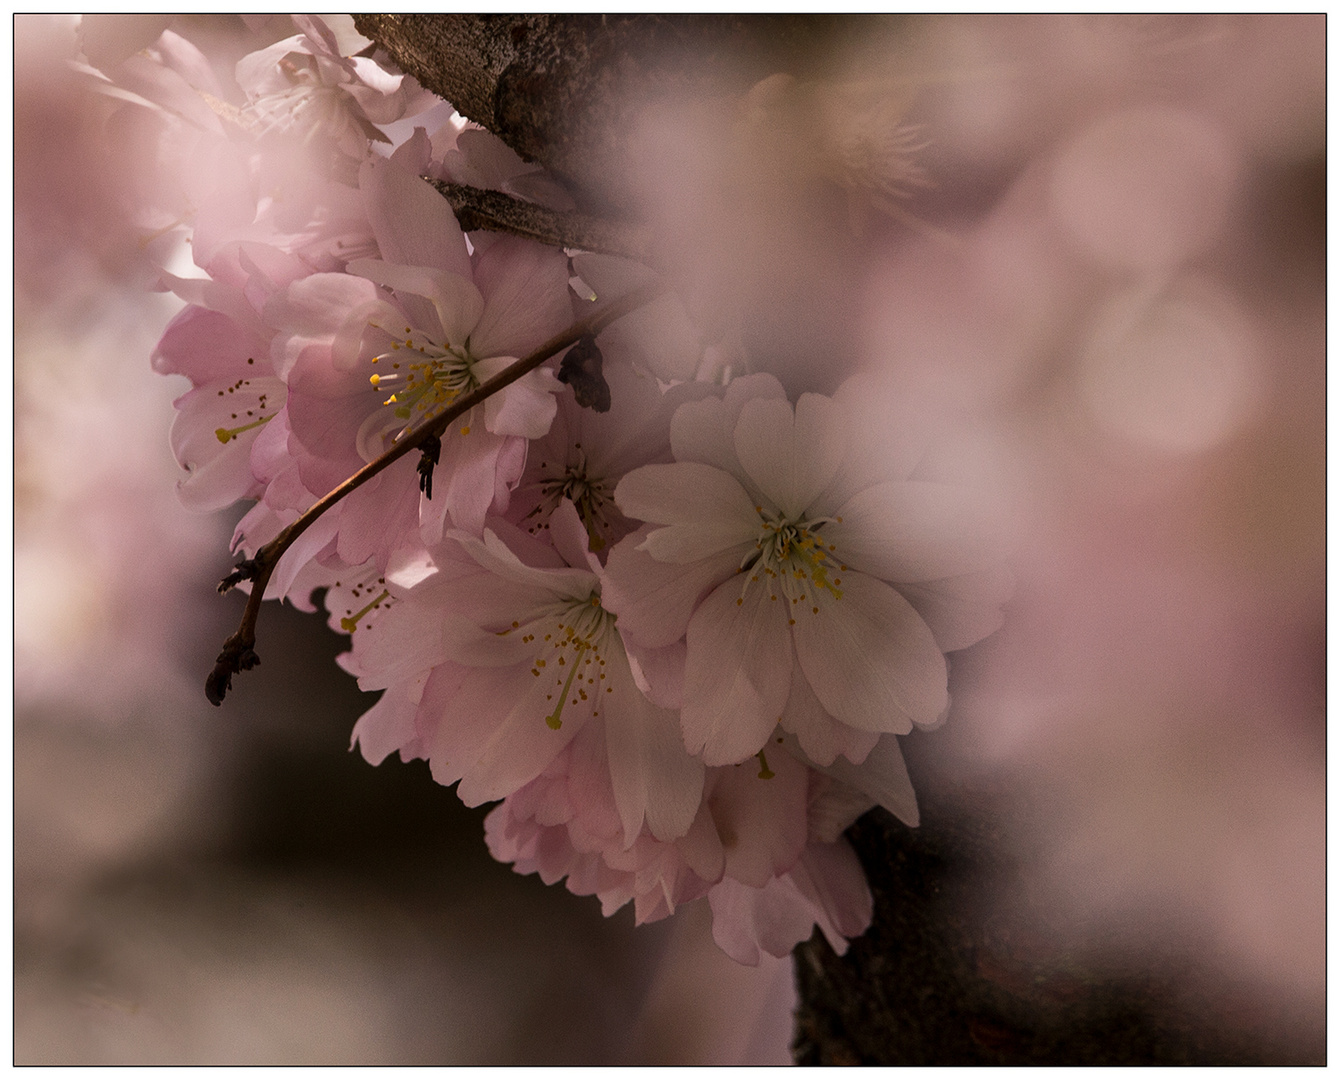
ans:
(303, 85)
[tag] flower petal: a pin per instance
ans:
(737, 673)
(527, 407)
(761, 817)
(655, 600)
(455, 299)
(791, 457)
(704, 431)
(525, 289)
(654, 777)
(962, 610)
(413, 224)
(914, 531)
(821, 737)
(872, 662)
(883, 777)
(707, 511)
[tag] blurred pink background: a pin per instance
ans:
(1109, 308)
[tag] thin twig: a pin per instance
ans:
(239, 650)
(496, 211)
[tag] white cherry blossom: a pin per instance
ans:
(776, 561)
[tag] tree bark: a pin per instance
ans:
(568, 90)
(941, 977)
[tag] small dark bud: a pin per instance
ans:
(246, 570)
(581, 369)
(432, 450)
(229, 663)
(219, 682)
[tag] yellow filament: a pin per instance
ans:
(350, 623)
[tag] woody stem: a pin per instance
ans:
(238, 652)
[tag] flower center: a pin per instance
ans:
(572, 652)
(424, 377)
(305, 101)
(251, 418)
(590, 495)
(366, 593)
(793, 562)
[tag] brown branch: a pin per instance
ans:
(239, 651)
(496, 211)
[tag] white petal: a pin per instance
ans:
(523, 744)
(527, 407)
(871, 661)
(413, 224)
(791, 457)
(525, 287)
(737, 673)
(761, 817)
(914, 531)
(831, 878)
(654, 600)
(704, 431)
(653, 776)
(821, 737)
(686, 492)
(833, 808)
(493, 554)
(882, 776)
(962, 610)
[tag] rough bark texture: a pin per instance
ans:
(493, 210)
(942, 977)
(567, 90)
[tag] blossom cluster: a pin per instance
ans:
(675, 640)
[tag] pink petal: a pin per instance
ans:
(737, 673)
(386, 727)
(413, 224)
(704, 431)
(712, 509)
(526, 297)
(455, 299)
(962, 610)
(653, 776)
(821, 737)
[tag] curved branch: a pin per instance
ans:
(239, 651)
(496, 211)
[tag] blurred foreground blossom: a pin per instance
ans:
(1091, 287)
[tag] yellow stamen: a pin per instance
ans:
(350, 623)
(227, 435)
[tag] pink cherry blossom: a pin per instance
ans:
(303, 83)
(516, 659)
(585, 453)
(370, 353)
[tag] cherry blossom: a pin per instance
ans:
(368, 354)
(526, 660)
(673, 621)
(771, 549)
